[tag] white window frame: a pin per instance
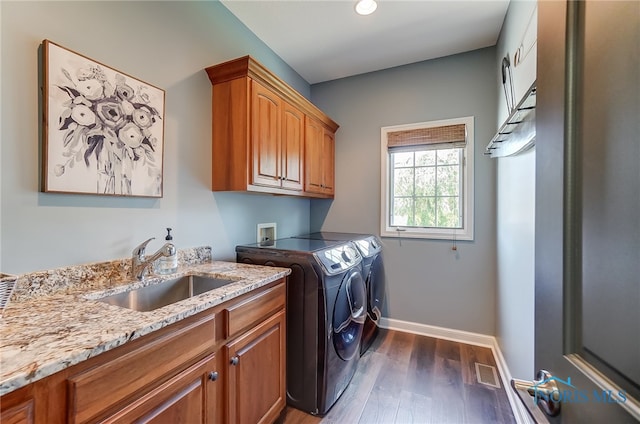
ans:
(464, 233)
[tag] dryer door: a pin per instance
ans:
(375, 286)
(349, 313)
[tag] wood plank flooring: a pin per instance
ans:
(406, 378)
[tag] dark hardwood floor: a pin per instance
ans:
(407, 378)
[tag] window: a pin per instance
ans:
(427, 180)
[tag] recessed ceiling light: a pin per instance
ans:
(366, 7)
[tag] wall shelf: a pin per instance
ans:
(518, 133)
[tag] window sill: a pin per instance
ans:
(431, 234)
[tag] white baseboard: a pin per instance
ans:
(438, 332)
(519, 411)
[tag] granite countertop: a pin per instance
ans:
(42, 335)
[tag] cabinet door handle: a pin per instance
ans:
(235, 360)
(213, 375)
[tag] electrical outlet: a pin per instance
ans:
(266, 232)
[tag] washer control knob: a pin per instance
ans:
(348, 254)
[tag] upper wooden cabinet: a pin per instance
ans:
(292, 143)
(260, 133)
(319, 158)
(277, 143)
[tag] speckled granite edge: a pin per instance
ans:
(44, 335)
(90, 276)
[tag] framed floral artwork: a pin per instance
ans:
(103, 129)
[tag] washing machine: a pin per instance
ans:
(370, 248)
(326, 312)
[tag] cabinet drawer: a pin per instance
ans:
(254, 309)
(93, 392)
(19, 414)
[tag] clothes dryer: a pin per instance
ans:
(326, 311)
(370, 248)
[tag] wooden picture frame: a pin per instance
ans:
(103, 130)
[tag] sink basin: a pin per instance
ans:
(165, 293)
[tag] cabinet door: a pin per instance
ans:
(328, 164)
(257, 373)
(189, 397)
(313, 156)
(22, 413)
(319, 158)
(292, 147)
(265, 136)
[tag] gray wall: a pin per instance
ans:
(516, 213)
(427, 282)
(167, 44)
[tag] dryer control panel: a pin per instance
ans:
(369, 246)
(339, 258)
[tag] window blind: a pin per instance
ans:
(449, 136)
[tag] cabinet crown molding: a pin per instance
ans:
(247, 66)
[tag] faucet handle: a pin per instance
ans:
(139, 250)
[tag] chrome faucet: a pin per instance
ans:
(140, 263)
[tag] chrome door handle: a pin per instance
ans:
(544, 391)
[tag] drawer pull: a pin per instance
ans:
(235, 360)
(213, 375)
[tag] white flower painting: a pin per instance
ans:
(103, 129)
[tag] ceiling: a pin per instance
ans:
(326, 40)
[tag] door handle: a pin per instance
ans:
(544, 391)
(358, 314)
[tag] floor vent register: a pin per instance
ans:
(487, 375)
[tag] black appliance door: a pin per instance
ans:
(375, 287)
(349, 313)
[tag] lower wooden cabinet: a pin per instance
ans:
(256, 390)
(224, 365)
(188, 397)
(92, 393)
(22, 413)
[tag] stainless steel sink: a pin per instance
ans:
(165, 293)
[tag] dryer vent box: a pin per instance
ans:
(266, 232)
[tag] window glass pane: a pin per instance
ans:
(448, 212)
(425, 212)
(448, 156)
(426, 158)
(448, 180)
(402, 214)
(426, 181)
(403, 182)
(402, 159)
